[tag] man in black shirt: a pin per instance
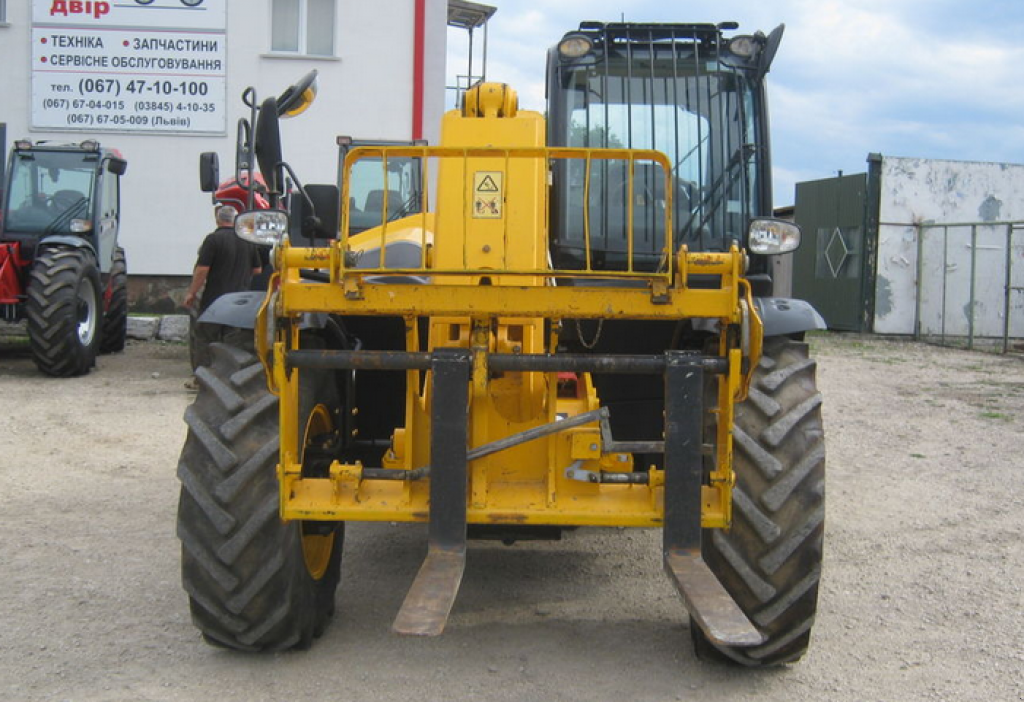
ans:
(226, 264)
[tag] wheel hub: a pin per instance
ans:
(87, 312)
(317, 546)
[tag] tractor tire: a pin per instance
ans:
(255, 583)
(770, 560)
(64, 309)
(115, 319)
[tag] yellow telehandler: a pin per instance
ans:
(570, 325)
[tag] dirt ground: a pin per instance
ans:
(921, 595)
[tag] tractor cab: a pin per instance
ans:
(683, 89)
(54, 190)
(61, 268)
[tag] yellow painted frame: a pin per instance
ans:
(500, 490)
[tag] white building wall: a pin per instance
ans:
(365, 91)
(435, 57)
(915, 190)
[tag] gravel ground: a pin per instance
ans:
(921, 596)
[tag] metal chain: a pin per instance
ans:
(597, 335)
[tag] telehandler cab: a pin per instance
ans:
(575, 329)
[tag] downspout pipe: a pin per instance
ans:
(419, 40)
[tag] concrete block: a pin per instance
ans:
(143, 328)
(174, 327)
(10, 331)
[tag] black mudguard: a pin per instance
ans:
(239, 310)
(74, 242)
(234, 310)
(783, 316)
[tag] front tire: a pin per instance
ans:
(64, 310)
(770, 560)
(255, 583)
(115, 319)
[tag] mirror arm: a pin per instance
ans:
(244, 160)
(312, 221)
(249, 97)
(302, 190)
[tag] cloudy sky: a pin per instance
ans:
(921, 78)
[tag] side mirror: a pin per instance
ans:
(268, 143)
(117, 166)
(209, 171)
(771, 46)
(297, 98)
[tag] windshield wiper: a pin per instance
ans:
(408, 207)
(719, 189)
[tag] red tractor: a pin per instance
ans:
(61, 269)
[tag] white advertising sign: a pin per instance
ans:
(129, 66)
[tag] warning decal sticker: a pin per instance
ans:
(487, 194)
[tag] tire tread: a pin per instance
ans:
(770, 560)
(242, 567)
(52, 311)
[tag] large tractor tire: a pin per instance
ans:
(64, 309)
(770, 560)
(115, 318)
(255, 583)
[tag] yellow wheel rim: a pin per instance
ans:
(316, 549)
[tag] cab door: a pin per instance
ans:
(108, 215)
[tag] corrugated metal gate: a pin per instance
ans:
(832, 267)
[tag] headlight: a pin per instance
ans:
(773, 236)
(80, 226)
(743, 46)
(262, 226)
(574, 46)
